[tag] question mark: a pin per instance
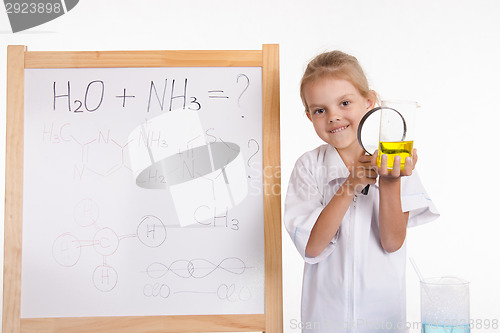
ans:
(258, 148)
(245, 89)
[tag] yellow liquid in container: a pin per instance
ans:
(391, 149)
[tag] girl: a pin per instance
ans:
(353, 245)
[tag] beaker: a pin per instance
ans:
(390, 128)
(397, 127)
(444, 305)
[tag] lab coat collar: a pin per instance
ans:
(334, 164)
(336, 168)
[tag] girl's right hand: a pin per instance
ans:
(363, 173)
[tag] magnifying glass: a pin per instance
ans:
(379, 125)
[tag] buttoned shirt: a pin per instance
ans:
(354, 285)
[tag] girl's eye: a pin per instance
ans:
(319, 111)
(345, 103)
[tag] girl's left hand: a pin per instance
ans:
(396, 172)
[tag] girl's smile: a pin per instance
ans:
(338, 129)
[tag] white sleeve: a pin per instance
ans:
(414, 199)
(303, 204)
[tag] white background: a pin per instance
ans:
(444, 54)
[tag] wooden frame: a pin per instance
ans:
(19, 59)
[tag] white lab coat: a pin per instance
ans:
(353, 285)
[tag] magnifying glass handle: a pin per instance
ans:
(365, 190)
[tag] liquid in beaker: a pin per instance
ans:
(393, 149)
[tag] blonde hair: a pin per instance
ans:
(338, 65)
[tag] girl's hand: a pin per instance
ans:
(362, 174)
(396, 172)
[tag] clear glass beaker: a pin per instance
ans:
(444, 305)
(397, 131)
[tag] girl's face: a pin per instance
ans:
(335, 109)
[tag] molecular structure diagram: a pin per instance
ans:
(90, 150)
(67, 248)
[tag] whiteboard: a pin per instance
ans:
(142, 192)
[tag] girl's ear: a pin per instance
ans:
(372, 99)
(308, 115)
